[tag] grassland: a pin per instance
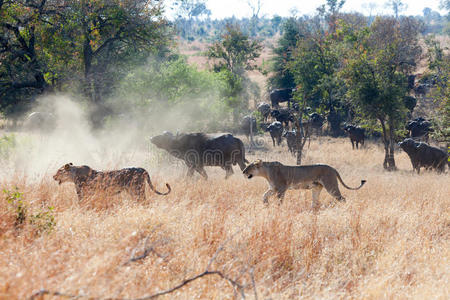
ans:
(390, 240)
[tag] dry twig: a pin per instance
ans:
(206, 272)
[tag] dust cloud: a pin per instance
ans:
(64, 134)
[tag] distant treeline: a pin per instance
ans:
(203, 28)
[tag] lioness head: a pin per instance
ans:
(253, 169)
(64, 174)
(72, 173)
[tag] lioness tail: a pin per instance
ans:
(346, 186)
(153, 189)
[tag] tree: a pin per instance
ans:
(397, 6)
(187, 11)
(370, 7)
(46, 44)
(316, 61)
(256, 8)
(375, 70)
(330, 11)
(314, 66)
(236, 51)
(439, 65)
(282, 76)
(235, 54)
(22, 72)
(113, 31)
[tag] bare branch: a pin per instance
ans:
(221, 247)
(236, 285)
(252, 276)
(186, 281)
(147, 251)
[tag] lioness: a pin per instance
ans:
(281, 178)
(88, 181)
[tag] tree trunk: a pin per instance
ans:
(388, 141)
(299, 149)
(301, 134)
(391, 160)
(334, 121)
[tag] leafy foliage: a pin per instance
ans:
(376, 71)
(47, 45)
(236, 54)
(235, 51)
(282, 76)
(439, 65)
(162, 89)
(7, 145)
(42, 221)
(14, 198)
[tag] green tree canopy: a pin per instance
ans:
(376, 71)
(46, 44)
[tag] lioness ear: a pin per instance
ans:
(67, 167)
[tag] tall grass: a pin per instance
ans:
(389, 240)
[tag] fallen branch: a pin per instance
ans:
(186, 281)
(147, 251)
(207, 272)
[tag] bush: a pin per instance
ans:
(173, 94)
(7, 145)
(42, 221)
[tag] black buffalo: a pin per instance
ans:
(248, 126)
(280, 95)
(291, 140)
(316, 122)
(356, 135)
(276, 131)
(264, 110)
(420, 90)
(411, 81)
(283, 115)
(199, 150)
(424, 155)
(40, 121)
(419, 129)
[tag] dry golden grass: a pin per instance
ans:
(389, 240)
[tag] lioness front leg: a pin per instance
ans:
(266, 196)
(317, 188)
(280, 195)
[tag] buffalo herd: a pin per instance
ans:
(198, 150)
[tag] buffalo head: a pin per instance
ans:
(408, 144)
(163, 141)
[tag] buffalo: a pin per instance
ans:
(424, 155)
(291, 139)
(248, 126)
(356, 135)
(419, 129)
(40, 121)
(411, 81)
(198, 150)
(280, 95)
(276, 131)
(316, 122)
(420, 90)
(264, 110)
(283, 115)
